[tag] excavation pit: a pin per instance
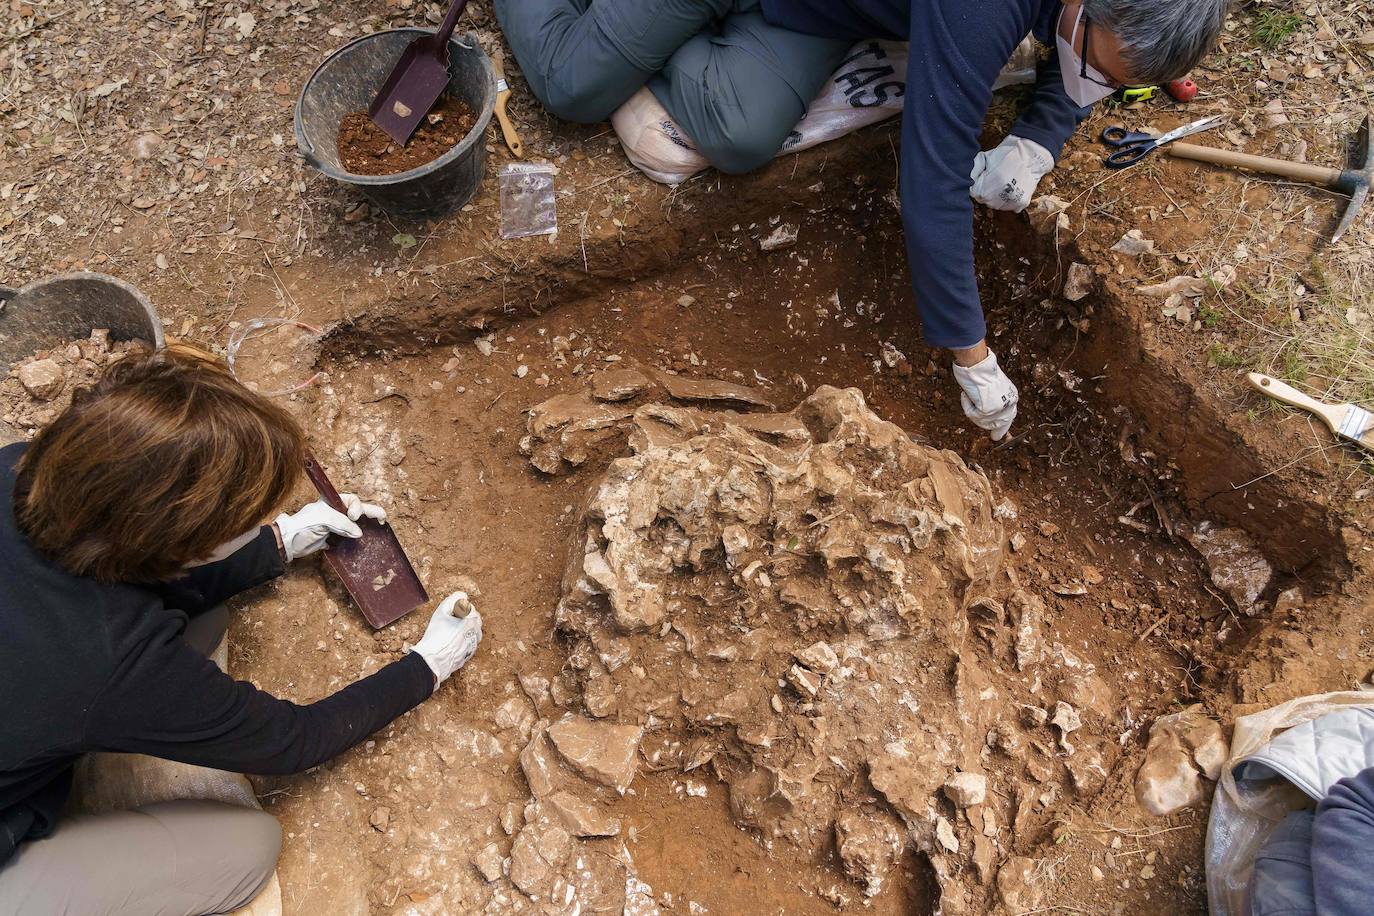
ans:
(1129, 622)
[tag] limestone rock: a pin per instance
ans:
(537, 855)
(1047, 214)
(1184, 746)
(819, 657)
(1134, 243)
(601, 751)
(582, 817)
(944, 835)
(42, 379)
(1080, 282)
(1167, 781)
(869, 844)
(805, 681)
(620, 384)
(1234, 562)
(906, 781)
(563, 430)
(1016, 885)
(966, 789)
(489, 862)
(1067, 720)
(784, 236)
(539, 765)
(696, 389)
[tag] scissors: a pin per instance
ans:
(1133, 146)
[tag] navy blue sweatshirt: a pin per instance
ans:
(1343, 848)
(957, 49)
(92, 667)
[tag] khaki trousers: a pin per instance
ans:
(176, 858)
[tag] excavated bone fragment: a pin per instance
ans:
(702, 389)
(620, 384)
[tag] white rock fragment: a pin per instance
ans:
(1080, 282)
(1134, 243)
(785, 236)
(1234, 563)
(944, 835)
(1047, 214)
(489, 862)
(819, 657)
(966, 789)
(1067, 720)
(869, 845)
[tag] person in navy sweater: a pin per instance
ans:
(957, 48)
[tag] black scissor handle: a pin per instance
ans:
(1120, 136)
(1129, 155)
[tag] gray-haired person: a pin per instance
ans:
(736, 75)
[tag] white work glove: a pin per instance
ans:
(989, 397)
(308, 530)
(450, 640)
(1005, 178)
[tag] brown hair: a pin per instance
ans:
(164, 459)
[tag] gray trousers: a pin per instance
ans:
(1282, 883)
(178, 858)
(734, 83)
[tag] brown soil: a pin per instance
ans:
(435, 436)
(195, 196)
(366, 149)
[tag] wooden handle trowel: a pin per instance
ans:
(373, 568)
(1347, 421)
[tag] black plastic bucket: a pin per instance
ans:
(68, 307)
(347, 81)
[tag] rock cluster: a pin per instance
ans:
(36, 390)
(813, 611)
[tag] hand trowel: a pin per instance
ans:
(416, 82)
(373, 568)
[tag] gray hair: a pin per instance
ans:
(1161, 40)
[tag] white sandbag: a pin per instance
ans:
(867, 88)
(1282, 759)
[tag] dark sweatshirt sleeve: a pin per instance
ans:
(1052, 117)
(204, 587)
(1343, 848)
(169, 701)
(957, 49)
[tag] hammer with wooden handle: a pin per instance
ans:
(1354, 181)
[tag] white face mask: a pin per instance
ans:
(1083, 91)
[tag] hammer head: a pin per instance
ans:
(1355, 181)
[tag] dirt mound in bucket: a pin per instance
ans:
(366, 149)
(36, 390)
(785, 603)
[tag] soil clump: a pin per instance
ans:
(366, 149)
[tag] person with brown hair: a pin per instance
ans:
(124, 526)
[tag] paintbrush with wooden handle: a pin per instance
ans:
(1347, 421)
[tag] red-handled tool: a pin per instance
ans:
(373, 568)
(416, 82)
(1184, 90)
